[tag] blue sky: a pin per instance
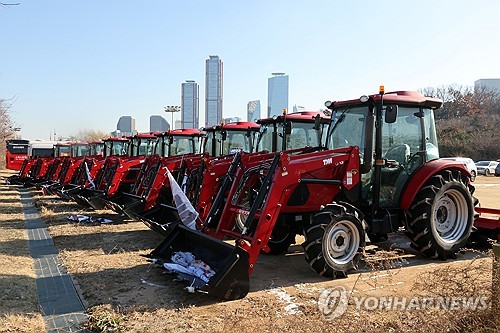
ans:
(76, 65)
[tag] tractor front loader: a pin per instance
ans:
(381, 173)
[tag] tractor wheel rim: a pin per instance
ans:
(451, 216)
(341, 242)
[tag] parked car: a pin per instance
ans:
(469, 164)
(486, 168)
(497, 170)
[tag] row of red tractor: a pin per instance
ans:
(354, 174)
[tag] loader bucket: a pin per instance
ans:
(230, 263)
(125, 202)
(91, 198)
(160, 218)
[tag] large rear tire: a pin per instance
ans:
(335, 240)
(442, 215)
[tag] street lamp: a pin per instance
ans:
(172, 109)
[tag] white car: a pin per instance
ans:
(486, 168)
(469, 164)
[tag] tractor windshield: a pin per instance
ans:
(79, 150)
(236, 140)
(181, 145)
(303, 134)
(116, 147)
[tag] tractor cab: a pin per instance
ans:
(142, 144)
(116, 146)
(292, 131)
(179, 142)
(96, 148)
(62, 149)
(390, 153)
(79, 149)
(228, 139)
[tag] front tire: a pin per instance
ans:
(442, 215)
(487, 172)
(334, 240)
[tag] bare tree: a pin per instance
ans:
(7, 129)
(89, 135)
(467, 124)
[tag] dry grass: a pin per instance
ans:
(18, 297)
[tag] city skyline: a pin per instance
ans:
(59, 72)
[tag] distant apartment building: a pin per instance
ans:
(213, 90)
(490, 84)
(158, 124)
(125, 126)
(253, 110)
(277, 94)
(190, 104)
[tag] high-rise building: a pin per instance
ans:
(490, 84)
(277, 94)
(190, 104)
(213, 91)
(253, 110)
(158, 124)
(126, 124)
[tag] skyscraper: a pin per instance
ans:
(158, 124)
(126, 124)
(253, 110)
(190, 105)
(213, 91)
(277, 94)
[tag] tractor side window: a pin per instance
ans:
(349, 129)
(303, 135)
(266, 138)
(431, 141)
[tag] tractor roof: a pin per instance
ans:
(185, 132)
(235, 126)
(413, 98)
(303, 116)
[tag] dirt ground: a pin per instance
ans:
(123, 291)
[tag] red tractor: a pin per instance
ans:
(381, 173)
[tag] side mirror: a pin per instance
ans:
(288, 127)
(317, 124)
(391, 114)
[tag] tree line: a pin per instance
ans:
(468, 123)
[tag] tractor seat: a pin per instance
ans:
(399, 153)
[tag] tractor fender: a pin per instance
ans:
(423, 174)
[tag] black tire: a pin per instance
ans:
(442, 215)
(487, 172)
(336, 228)
(279, 243)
